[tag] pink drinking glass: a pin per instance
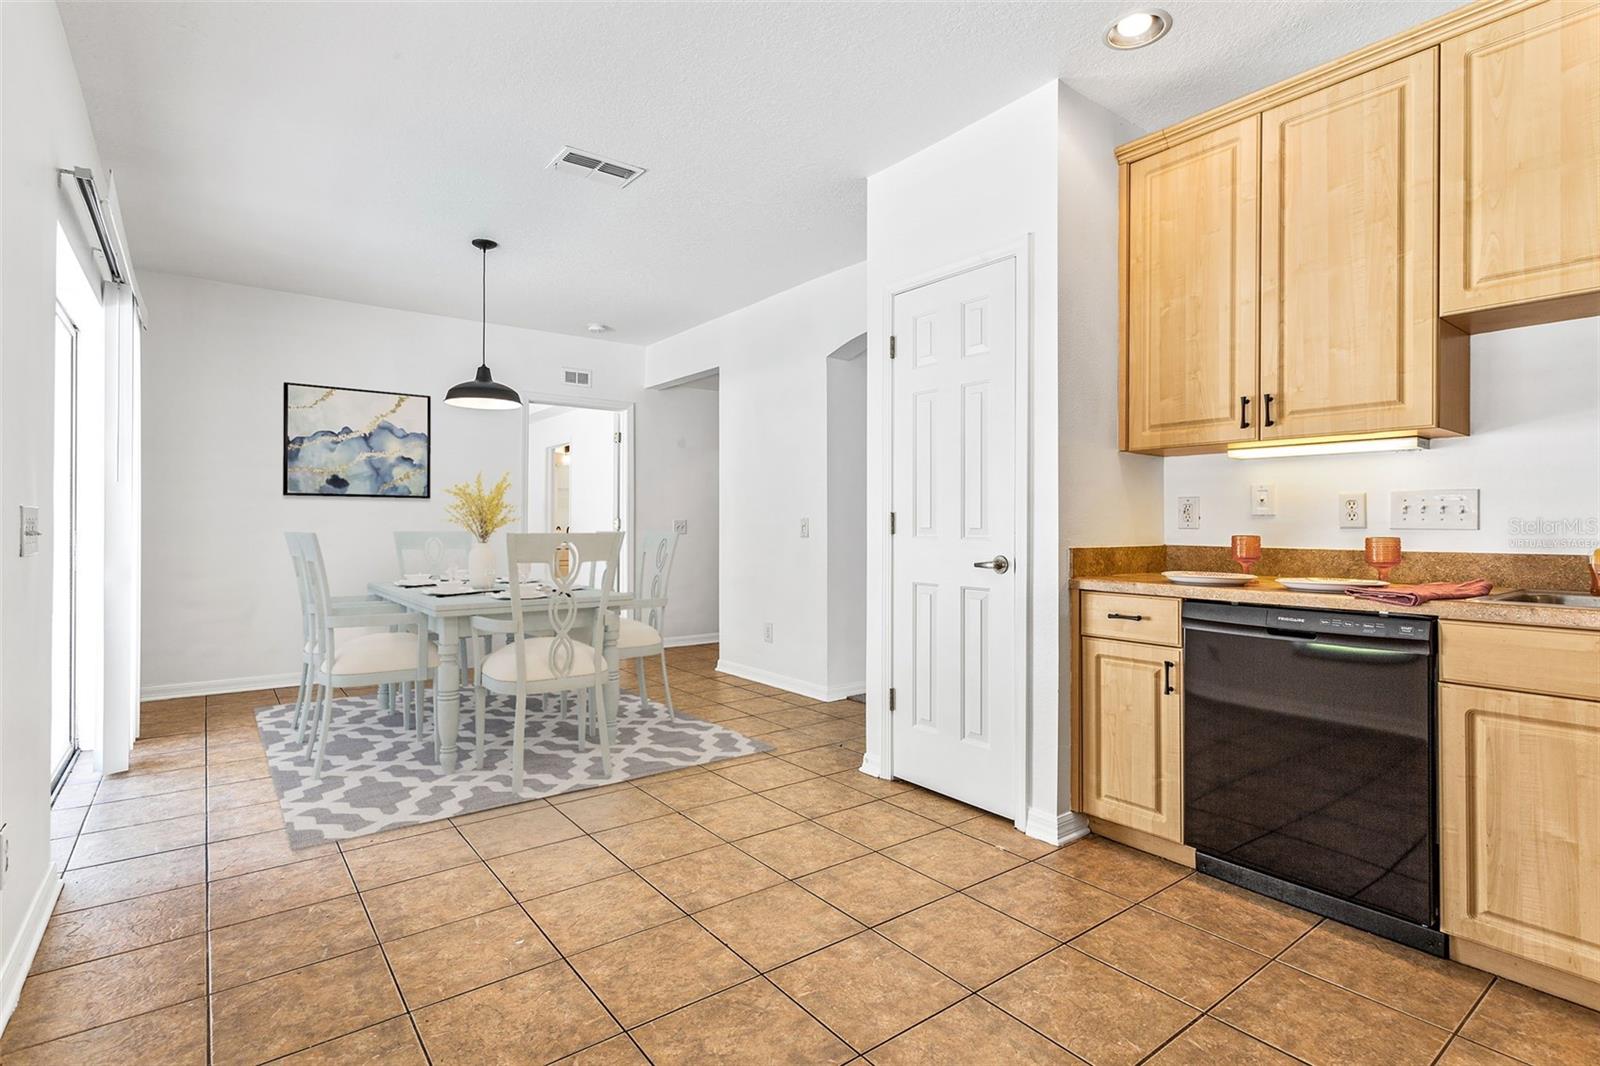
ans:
(1246, 551)
(1383, 555)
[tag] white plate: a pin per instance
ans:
(1330, 584)
(1205, 577)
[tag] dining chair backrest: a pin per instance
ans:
(656, 551)
(567, 621)
(431, 552)
(314, 578)
(302, 589)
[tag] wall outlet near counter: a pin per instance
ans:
(1263, 500)
(1188, 512)
(1352, 510)
(1439, 509)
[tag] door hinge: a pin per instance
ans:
(891, 701)
(891, 346)
(891, 523)
(617, 436)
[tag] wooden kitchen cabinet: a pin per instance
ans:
(1350, 337)
(1132, 735)
(1519, 849)
(1190, 367)
(1519, 139)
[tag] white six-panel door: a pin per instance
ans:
(953, 381)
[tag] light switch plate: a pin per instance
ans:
(1263, 500)
(31, 534)
(805, 527)
(1437, 509)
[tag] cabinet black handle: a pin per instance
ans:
(1125, 617)
(1166, 678)
(1244, 412)
(1266, 409)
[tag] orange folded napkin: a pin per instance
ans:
(1411, 595)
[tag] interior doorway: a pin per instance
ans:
(63, 545)
(580, 472)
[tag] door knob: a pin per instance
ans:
(999, 564)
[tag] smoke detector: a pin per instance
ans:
(588, 164)
(599, 327)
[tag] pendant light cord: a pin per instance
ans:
(483, 338)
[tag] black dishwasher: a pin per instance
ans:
(1309, 761)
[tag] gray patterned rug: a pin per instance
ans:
(378, 776)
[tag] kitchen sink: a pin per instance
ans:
(1547, 598)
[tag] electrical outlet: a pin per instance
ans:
(681, 527)
(1263, 500)
(805, 528)
(1188, 512)
(766, 633)
(1439, 509)
(1352, 510)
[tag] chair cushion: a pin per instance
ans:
(379, 653)
(636, 634)
(501, 665)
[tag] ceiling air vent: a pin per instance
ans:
(580, 378)
(588, 164)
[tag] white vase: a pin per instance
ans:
(480, 566)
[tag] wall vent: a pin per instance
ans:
(588, 164)
(580, 378)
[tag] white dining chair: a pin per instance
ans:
(429, 552)
(640, 637)
(570, 659)
(401, 656)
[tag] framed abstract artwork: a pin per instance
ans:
(355, 442)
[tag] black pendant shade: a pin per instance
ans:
(483, 392)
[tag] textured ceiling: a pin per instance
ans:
(351, 150)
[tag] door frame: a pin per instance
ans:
(1021, 251)
(60, 772)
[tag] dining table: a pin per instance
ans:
(450, 611)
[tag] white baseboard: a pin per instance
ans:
(821, 693)
(691, 639)
(1056, 829)
(181, 689)
(20, 960)
(871, 767)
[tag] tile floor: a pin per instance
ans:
(783, 908)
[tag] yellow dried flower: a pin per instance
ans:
(481, 512)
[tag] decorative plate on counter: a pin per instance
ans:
(1205, 577)
(1330, 584)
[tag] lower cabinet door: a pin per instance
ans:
(1133, 736)
(1519, 824)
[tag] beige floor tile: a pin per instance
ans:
(879, 824)
(777, 925)
(536, 1016)
(134, 783)
(1184, 962)
(657, 840)
(91, 994)
(1435, 990)
(1090, 1009)
(496, 812)
(1536, 1028)
(468, 954)
(390, 1043)
(818, 796)
(1003, 834)
(1210, 1043)
(782, 713)
(934, 807)
(696, 790)
(281, 888)
(123, 813)
(244, 821)
(79, 936)
(645, 975)
(246, 781)
(287, 941)
(1114, 868)
(601, 911)
(706, 878)
(613, 808)
(301, 1008)
(1463, 1052)
(399, 832)
(966, 940)
(801, 849)
(114, 845)
(400, 860)
(1050, 902)
(787, 742)
(826, 761)
(866, 989)
(763, 774)
(873, 889)
(408, 907)
(519, 832)
(1233, 913)
(540, 871)
(618, 1051)
(749, 1023)
(1325, 1024)
(746, 816)
(263, 851)
(953, 858)
(971, 1028)
(172, 1036)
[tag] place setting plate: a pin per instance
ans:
(1206, 577)
(1330, 584)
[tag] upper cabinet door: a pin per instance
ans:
(1519, 209)
(1348, 322)
(1191, 292)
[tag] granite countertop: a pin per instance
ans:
(1267, 591)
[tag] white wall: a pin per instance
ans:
(591, 469)
(677, 460)
(1534, 453)
(847, 519)
(219, 604)
(771, 359)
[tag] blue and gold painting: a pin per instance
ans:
(354, 442)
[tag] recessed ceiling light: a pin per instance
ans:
(599, 327)
(1138, 28)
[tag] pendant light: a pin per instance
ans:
(483, 392)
